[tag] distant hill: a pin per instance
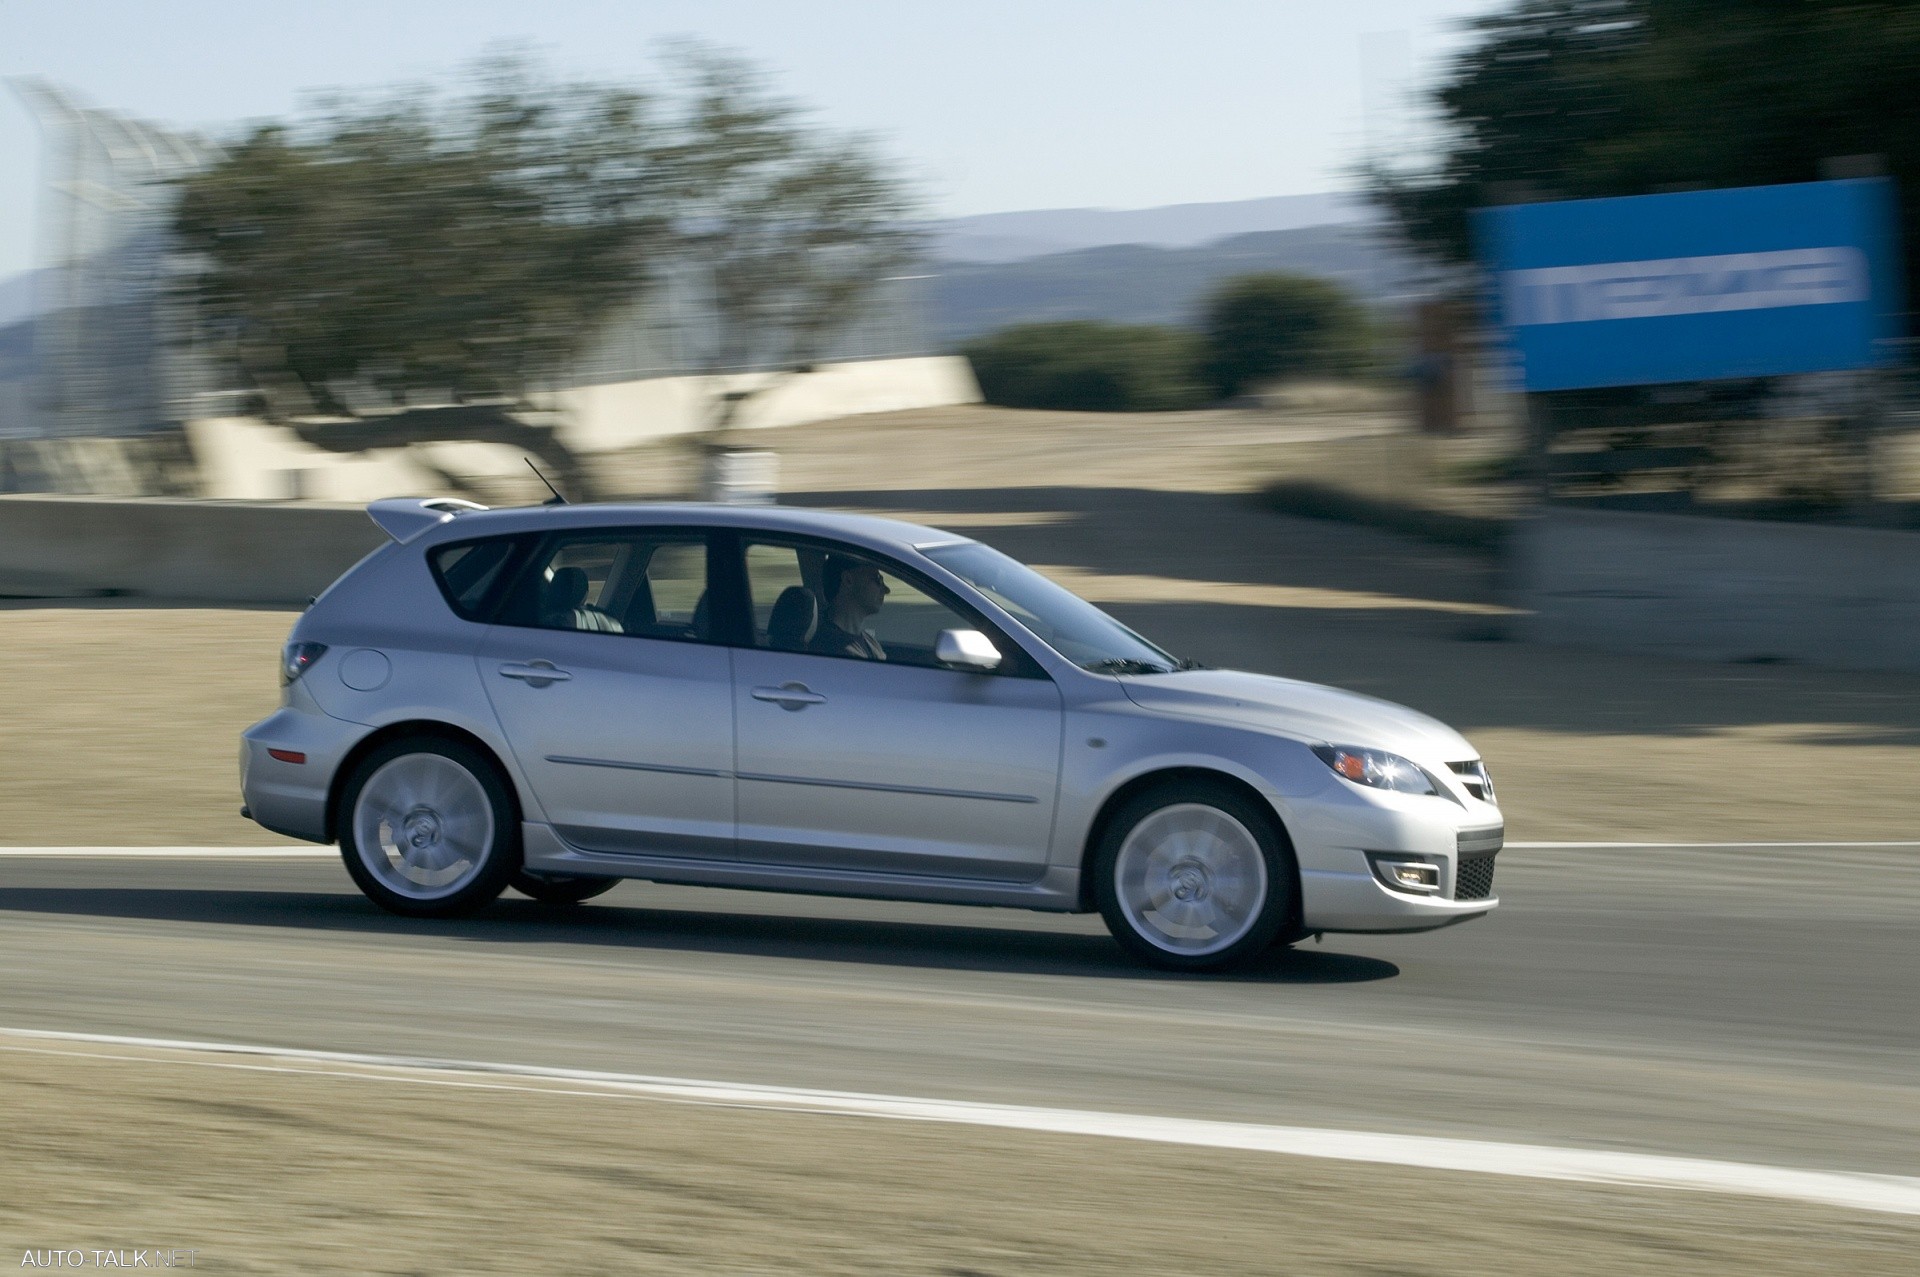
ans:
(1007, 237)
(1138, 284)
(16, 297)
(16, 350)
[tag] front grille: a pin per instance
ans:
(1474, 778)
(1473, 880)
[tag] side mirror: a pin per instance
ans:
(967, 650)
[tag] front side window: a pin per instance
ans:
(644, 584)
(834, 601)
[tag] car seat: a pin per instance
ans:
(795, 616)
(563, 604)
(565, 592)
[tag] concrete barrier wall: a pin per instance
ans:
(241, 459)
(1697, 588)
(1723, 589)
(607, 418)
(177, 549)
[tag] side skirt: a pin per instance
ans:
(1056, 891)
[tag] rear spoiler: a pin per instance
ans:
(404, 518)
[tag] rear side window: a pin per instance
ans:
(473, 574)
(646, 583)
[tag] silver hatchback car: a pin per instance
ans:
(559, 697)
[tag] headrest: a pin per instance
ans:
(795, 615)
(567, 590)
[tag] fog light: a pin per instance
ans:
(1407, 875)
(1419, 877)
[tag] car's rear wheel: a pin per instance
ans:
(428, 828)
(561, 889)
(1193, 877)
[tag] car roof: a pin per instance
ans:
(865, 529)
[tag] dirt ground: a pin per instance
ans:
(369, 1171)
(121, 718)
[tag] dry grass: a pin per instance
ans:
(122, 723)
(263, 1172)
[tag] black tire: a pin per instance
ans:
(1266, 910)
(480, 828)
(561, 889)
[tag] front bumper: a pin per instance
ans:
(287, 797)
(1333, 900)
(1338, 844)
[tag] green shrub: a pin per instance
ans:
(1089, 366)
(1267, 327)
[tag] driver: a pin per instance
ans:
(854, 592)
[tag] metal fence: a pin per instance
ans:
(107, 355)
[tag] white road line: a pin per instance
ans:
(1893, 1194)
(178, 853)
(1689, 846)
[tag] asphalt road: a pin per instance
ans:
(1755, 1004)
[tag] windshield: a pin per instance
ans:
(1067, 623)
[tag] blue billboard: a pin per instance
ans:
(1750, 282)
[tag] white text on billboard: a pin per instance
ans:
(1686, 286)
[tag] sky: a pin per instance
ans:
(989, 106)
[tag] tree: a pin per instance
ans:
(1088, 366)
(1265, 327)
(465, 252)
(458, 252)
(1566, 99)
(789, 231)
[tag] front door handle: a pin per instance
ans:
(789, 696)
(535, 673)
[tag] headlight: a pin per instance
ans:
(295, 658)
(1377, 768)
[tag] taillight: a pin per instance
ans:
(296, 658)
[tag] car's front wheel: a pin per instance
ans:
(561, 889)
(1193, 877)
(428, 828)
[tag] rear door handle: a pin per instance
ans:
(535, 673)
(789, 696)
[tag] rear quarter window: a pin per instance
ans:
(473, 574)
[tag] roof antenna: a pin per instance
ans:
(556, 498)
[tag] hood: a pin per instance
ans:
(1307, 712)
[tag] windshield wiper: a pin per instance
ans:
(1126, 665)
(1185, 664)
